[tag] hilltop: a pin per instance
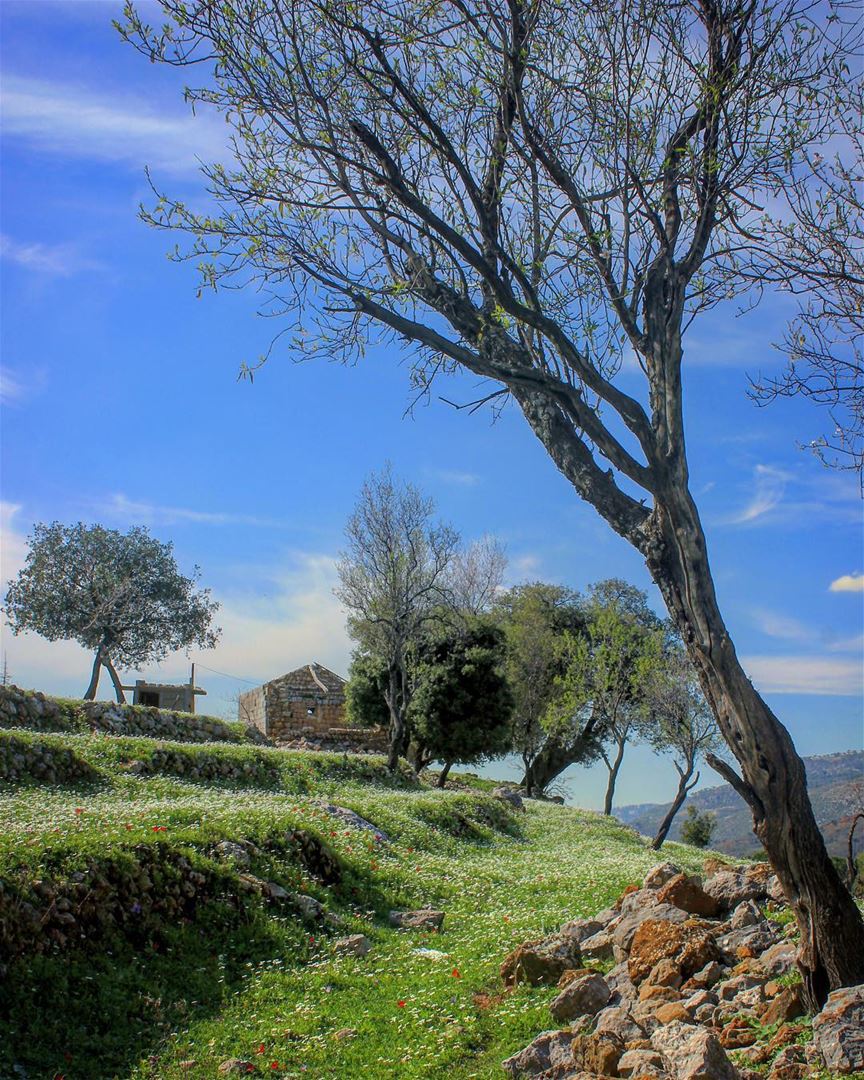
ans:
(830, 781)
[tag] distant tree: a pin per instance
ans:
(535, 618)
(682, 726)
(853, 864)
(365, 703)
(393, 582)
(476, 575)
(607, 668)
(698, 827)
(460, 711)
(119, 594)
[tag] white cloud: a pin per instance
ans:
(120, 507)
(65, 119)
(769, 486)
(775, 625)
(457, 479)
(52, 260)
(12, 388)
(805, 675)
(848, 583)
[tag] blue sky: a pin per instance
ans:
(121, 404)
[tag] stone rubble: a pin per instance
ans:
(703, 988)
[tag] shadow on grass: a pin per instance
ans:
(87, 1014)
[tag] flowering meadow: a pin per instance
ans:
(245, 977)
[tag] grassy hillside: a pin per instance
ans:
(832, 781)
(136, 949)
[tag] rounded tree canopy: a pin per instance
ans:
(119, 592)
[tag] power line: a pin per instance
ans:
(227, 674)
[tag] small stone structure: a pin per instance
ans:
(173, 696)
(307, 702)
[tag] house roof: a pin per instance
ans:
(313, 677)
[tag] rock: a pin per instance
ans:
(581, 929)
(787, 1005)
(687, 893)
(658, 994)
(637, 1062)
(790, 1064)
(620, 1022)
(748, 913)
(354, 945)
(671, 1011)
(424, 919)
(310, 908)
(510, 796)
(707, 976)
(749, 941)
(624, 932)
(692, 1054)
(236, 1065)
(352, 819)
(345, 1033)
(541, 962)
(838, 1030)
(550, 1050)
(599, 946)
(779, 959)
(275, 891)
(688, 944)
(618, 980)
(737, 1034)
(664, 973)
(597, 1053)
(735, 885)
(582, 997)
(731, 988)
(661, 873)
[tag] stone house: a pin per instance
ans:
(308, 701)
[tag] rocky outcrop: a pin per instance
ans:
(838, 1031)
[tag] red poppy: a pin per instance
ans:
(261, 1049)
(274, 1064)
(79, 809)
(401, 1004)
(455, 973)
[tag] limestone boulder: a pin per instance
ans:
(581, 929)
(511, 797)
(585, 996)
(692, 1053)
(779, 959)
(661, 873)
(787, 1005)
(541, 962)
(685, 892)
(641, 1063)
(551, 1050)
(620, 1022)
(731, 887)
(688, 944)
(599, 1052)
(424, 919)
(838, 1030)
(353, 945)
(622, 937)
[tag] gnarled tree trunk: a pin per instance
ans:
(442, 776)
(115, 679)
(684, 789)
(773, 780)
(90, 692)
(614, 768)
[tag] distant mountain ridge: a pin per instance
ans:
(831, 781)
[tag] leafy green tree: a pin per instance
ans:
(535, 618)
(534, 193)
(698, 827)
(119, 594)
(460, 711)
(607, 667)
(365, 703)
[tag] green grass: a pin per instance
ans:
(252, 980)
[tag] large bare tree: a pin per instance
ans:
(393, 583)
(542, 193)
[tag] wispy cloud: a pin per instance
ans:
(53, 260)
(13, 389)
(65, 119)
(847, 583)
(805, 675)
(775, 625)
(120, 507)
(769, 486)
(455, 478)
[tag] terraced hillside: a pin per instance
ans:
(174, 909)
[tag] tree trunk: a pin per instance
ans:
(552, 760)
(442, 776)
(851, 863)
(679, 800)
(115, 679)
(773, 780)
(395, 699)
(613, 777)
(90, 692)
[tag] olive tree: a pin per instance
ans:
(118, 594)
(536, 192)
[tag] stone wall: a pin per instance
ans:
(36, 711)
(290, 710)
(251, 711)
